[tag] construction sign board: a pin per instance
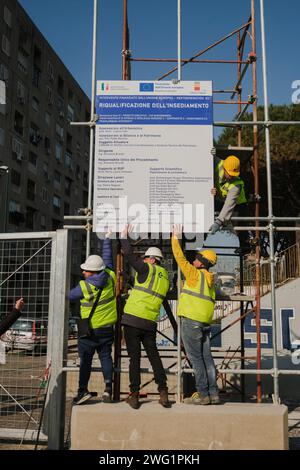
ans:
(153, 163)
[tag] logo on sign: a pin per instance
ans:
(197, 86)
(104, 87)
(147, 87)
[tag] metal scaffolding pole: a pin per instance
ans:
(179, 371)
(92, 131)
(257, 208)
(270, 204)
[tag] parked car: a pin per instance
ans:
(29, 334)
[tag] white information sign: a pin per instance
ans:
(153, 163)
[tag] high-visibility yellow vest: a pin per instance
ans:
(146, 298)
(106, 310)
(197, 303)
(224, 188)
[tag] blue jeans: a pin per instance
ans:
(196, 340)
(101, 341)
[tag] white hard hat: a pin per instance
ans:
(153, 252)
(93, 263)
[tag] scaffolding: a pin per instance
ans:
(243, 65)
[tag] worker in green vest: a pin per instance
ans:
(140, 317)
(230, 191)
(98, 276)
(196, 309)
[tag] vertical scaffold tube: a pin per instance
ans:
(270, 205)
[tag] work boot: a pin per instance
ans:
(133, 400)
(197, 399)
(164, 399)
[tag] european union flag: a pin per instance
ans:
(147, 87)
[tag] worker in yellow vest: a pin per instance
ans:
(230, 190)
(140, 316)
(196, 308)
(98, 275)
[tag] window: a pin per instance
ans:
(15, 177)
(57, 179)
(4, 73)
(7, 16)
(69, 143)
(2, 136)
(5, 45)
(21, 93)
(70, 115)
(35, 104)
(45, 196)
(15, 217)
(66, 208)
(17, 149)
(34, 134)
(46, 171)
(47, 143)
(49, 94)
(36, 76)
(85, 178)
(31, 189)
(19, 122)
(58, 152)
(69, 160)
(29, 220)
(22, 62)
(37, 56)
(43, 222)
(47, 118)
(68, 185)
(32, 161)
(56, 204)
(78, 172)
(59, 131)
(50, 71)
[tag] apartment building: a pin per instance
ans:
(47, 158)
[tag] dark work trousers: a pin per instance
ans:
(134, 337)
(101, 341)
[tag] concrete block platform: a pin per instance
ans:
(232, 426)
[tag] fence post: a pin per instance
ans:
(57, 339)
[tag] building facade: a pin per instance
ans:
(47, 158)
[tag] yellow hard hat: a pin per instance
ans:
(232, 165)
(209, 255)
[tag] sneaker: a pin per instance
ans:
(106, 396)
(197, 399)
(82, 397)
(215, 400)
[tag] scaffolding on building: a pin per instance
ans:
(243, 65)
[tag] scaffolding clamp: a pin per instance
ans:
(252, 57)
(94, 120)
(126, 52)
(252, 99)
(88, 227)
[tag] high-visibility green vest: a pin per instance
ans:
(224, 188)
(146, 298)
(197, 303)
(106, 310)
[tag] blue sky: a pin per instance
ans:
(67, 25)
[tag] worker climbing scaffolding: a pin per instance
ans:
(229, 189)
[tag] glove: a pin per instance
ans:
(216, 226)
